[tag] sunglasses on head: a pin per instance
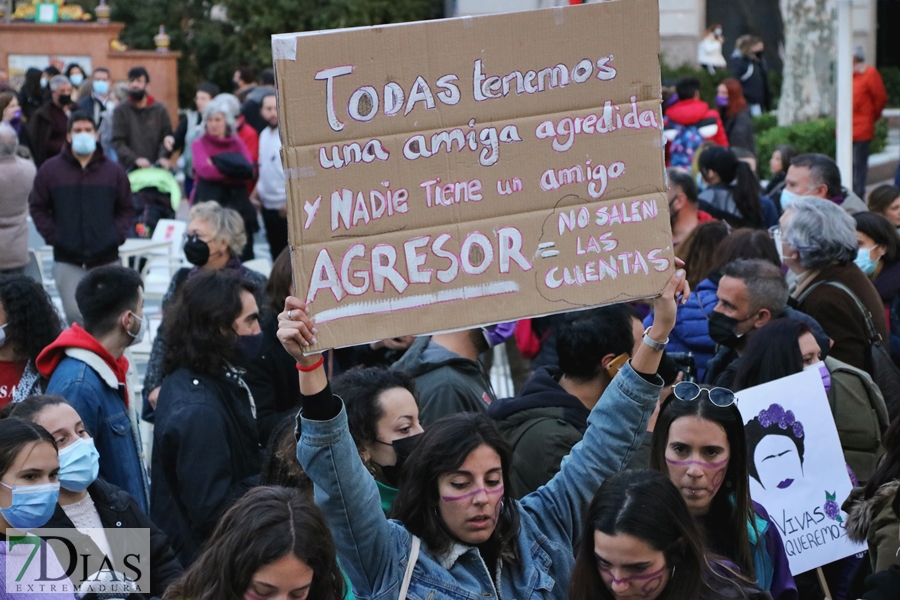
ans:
(689, 391)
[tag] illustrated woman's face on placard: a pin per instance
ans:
(777, 462)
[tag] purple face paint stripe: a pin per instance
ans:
(684, 463)
(633, 577)
(471, 494)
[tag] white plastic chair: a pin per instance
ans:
(162, 264)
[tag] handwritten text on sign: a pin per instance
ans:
(476, 170)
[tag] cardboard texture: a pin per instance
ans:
(449, 174)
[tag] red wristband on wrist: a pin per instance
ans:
(312, 367)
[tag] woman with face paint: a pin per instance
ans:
(640, 542)
(456, 531)
(29, 489)
(89, 504)
(785, 347)
(699, 443)
(213, 241)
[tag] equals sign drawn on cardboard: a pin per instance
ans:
(545, 251)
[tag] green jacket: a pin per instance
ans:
(542, 424)
(859, 414)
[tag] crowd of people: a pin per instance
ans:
(619, 468)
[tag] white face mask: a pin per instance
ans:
(140, 334)
(3, 334)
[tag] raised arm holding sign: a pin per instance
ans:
(449, 174)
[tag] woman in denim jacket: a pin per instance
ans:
(477, 541)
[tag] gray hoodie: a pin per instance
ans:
(447, 383)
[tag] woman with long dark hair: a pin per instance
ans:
(732, 194)
(273, 543)
(29, 323)
(454, 502)
(32, 93)
(639, 540)
(700, 446)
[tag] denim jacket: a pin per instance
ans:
(374, 551)
(91, 388)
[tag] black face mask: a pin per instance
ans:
(722, 330)
(402, 448)
(247, 348)
(196, 251)
(64, 99)
(758, 55)
(136, 95)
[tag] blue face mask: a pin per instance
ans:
(32, 505)
(76, 79)
(84, 143)
(101, 87)
(864, 261)
(787, 198)
(79, 465)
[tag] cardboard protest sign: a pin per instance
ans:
(797, 468)
(448, 174)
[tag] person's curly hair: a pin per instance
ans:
(198, 325)
(32, 322)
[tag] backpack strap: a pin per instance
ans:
(407, 577)
(873, 334)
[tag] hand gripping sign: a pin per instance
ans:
(449, 174)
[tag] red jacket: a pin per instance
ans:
(869, 99)
(691, 111)
(76, 337)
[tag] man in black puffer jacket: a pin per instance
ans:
(81, 205)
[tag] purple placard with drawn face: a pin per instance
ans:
(797, 468)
